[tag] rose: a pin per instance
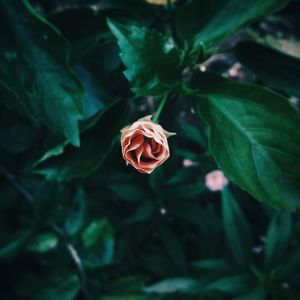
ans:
(145, 145)
(216, 181)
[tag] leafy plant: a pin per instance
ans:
(77, 223)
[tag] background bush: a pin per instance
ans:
(76, 223)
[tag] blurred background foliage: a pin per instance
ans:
(76, 223)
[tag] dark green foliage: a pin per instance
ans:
(237, 232)
(36, 71)
(65, 162)
(153, 61)
(76, 222)
(276, 69)
(247, 120)
(208, 22)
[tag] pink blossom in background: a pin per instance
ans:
(187, 163)
(216, 181)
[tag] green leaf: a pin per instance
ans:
(43, 77)
(13, 95)
(15, 244)
(210, 21)
(276, 69)
(76, 217)
(96, 143)
(144, 212)
(60, 287)
(205, 219)
(173, 247)
(254, 138)
(51, 202)
(278, 236)
(16, 135)
(232, 285)
(43, 242)
(237, 231)
(291, 266)
(96, 230)
(129, 284)
(213, 265)
(176, 285)
(152, 60)
(129, 193)
(98, 243)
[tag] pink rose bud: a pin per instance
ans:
(216, 181)
(145, 145)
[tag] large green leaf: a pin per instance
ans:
(152, 60)
(209, 21)
(254, 137)
(65, 162)
(275, 68)
(38, 72)
(237, 231)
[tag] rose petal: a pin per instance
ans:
(145, 170)
(136, 142)
(155, 146)
(129, 157)
(138, 153)
(147, 151)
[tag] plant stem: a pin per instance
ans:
(75, 258)
(160, 108)
(11, 178)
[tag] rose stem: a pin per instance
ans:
(160, 108)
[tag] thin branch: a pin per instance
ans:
(76, 260)
(11, 178)
(160, 108)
